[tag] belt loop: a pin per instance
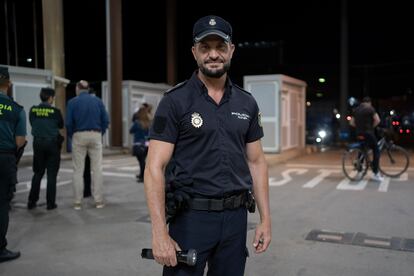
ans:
(209, 205)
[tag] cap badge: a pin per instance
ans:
(196, 120)
(212, 22)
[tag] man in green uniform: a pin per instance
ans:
(46, 121)
(12, 138)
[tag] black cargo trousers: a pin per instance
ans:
(46, 157)
(8, 180)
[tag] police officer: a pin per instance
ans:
(46, 121)
(12, 140)
(211, 130)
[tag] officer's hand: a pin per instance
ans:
(10, 196)
(10, 193)
(262, 238)
(164, 250)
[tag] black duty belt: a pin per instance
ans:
(219, 204)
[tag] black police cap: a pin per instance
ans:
(212, 25)
(4, 73)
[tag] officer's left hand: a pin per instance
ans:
(10, 193)
(262, 238)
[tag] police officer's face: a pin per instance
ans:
(213, 56)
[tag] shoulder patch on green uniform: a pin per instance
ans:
(176, 87)
(18, 104)
(14, 102)
(242, 89)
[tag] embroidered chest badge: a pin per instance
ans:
(196, 120)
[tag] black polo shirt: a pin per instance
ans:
(210, 139)
(364, 119)
(46, 121)
(12, 123)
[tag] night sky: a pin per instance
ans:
(297, 38)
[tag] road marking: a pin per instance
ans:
(23, 187)
(286, 177)
(130, 168)
(126, 175)
(323, 173)
(318, 166)
(345, 184)
(402, 177)
(383, 186)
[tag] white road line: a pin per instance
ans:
(130, 168)
(286, 177)
(402, 177)
(345, 184)
(318, 166)
(27, 185)
(323, 173)
(383, 186)
(127, 175)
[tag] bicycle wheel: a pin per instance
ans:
(354, 164)
(394, 160)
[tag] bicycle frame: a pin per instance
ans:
(394, 160)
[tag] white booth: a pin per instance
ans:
(134, 93)
(27, 83)
(281, 101)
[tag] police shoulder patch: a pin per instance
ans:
(259, 119)
(242, 89)
(176, 87)
(17, 104)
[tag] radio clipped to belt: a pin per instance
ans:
(176, 199)
(250, 202)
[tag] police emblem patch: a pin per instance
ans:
(212, 22)
(259, 118)
(196, 120)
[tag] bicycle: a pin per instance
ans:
(356, 160)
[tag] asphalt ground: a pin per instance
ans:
(307, 193)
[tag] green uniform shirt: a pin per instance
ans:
(12, 123)
(45, 120)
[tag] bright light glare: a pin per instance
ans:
(29, 59)
(392, 112)
(318, 139)
(308, 103)
(322, 133)
(321, 80)
(338, 116)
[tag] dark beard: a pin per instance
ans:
(216, 74)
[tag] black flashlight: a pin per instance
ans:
(189, 257)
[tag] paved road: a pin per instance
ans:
(307, 193)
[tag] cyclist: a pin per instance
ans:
(365, 119)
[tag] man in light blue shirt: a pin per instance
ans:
(86, 122)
